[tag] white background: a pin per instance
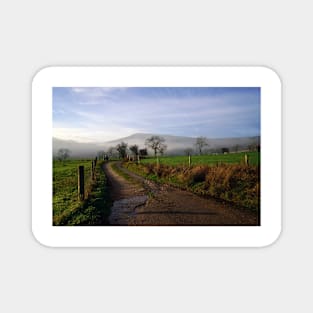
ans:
(226, 236)
(35, 34)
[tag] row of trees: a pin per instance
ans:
(202, 147)
(157, 144)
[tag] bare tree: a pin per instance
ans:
(156, 143)
(122, 149)
(162, 149)
(63, 154)
(201, 142)
(134, 149)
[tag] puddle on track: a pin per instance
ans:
(125, 208)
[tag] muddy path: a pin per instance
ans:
(138, 201)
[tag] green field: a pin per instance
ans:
(230, 158)
(67, 209)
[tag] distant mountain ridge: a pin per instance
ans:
(175, 144)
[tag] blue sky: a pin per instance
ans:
(103, 114)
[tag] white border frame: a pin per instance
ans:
(156, 236)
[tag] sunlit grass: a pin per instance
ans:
(67, 208)
(229, 158)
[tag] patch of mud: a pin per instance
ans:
(123, 209)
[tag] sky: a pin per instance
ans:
(104, 114)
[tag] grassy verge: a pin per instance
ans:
(67, 209)
(124, 174)
(234, 183)
(120, 172)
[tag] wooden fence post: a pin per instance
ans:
(92, 170)
(246, 159)
(189, 160)
(138, 159)
(81, 183)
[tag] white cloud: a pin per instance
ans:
(100, 91)
(78, 89)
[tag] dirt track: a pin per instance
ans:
(139, 201)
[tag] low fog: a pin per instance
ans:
(175, 144)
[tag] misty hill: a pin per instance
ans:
(172, 142)
(78, 149)
(175, 144)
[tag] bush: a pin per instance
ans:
(196, 175)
